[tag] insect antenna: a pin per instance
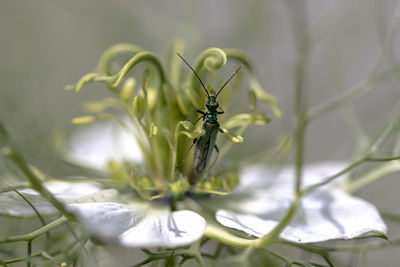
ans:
(208, 95)
(230, 78)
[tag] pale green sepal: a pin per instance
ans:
(84, 120)
(194, 134)
(261, 94)
(234, 138)
(89, 78)
(245, 119)
(252, 99)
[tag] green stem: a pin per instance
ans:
(226, 238)
(29, 253)
(352, 166)
(303, 47)
(170, 259)
(288, 261)
(363, 86)
(31, 205)
(38, 254)
(374, 175)
(384, 159)
(273, 236)
(299, 146)
(312, 249)
(195, 251)
(36, 183)
(31, 236)
(390, 127)
(164, 255)
(299, 25)
(34, 209)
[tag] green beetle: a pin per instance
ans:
(206, 143)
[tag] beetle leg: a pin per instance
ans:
(216, 148)
(186, 154)
(202, 116)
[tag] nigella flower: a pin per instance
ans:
(255, 207)
(145, 154)
(264, 195)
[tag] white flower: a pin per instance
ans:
(255, 207)
(261, 201)
(135, 224)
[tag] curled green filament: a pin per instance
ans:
(161, 108)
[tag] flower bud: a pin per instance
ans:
(260, 119)
(128, 89)
(152, 97)
(234, 138)
(84, 120)
(153, 130)
(138, 106)
(252, 99)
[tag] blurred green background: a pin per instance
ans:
(46, 45)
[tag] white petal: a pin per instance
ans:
(13, 204)
(62, 189)
(259, 176)
(325, 214)
(139, 226)
(94, 145)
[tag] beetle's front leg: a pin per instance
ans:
(202, 116)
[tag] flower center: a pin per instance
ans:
(178, 123)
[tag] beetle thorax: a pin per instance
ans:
(212, 106)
